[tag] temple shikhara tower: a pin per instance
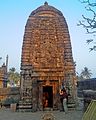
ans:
(46, 63)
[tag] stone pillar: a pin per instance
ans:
(40, 101)
(35, 95)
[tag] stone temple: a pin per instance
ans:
(46, 63)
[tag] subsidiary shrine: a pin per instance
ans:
(47, 63)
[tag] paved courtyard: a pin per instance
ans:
(7, 114)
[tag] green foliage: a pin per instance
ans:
(9, 101)
(90, 113)
(13, 76)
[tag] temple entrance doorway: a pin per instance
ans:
(47, 96)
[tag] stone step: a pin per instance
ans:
(71, 106)
(48, 109)
(24, 106)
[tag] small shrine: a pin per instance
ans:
(3, 74)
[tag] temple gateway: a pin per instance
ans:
(46, 63)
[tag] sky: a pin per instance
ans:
(13, 18)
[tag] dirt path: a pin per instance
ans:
(6, 114)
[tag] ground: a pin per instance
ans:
(7, 114)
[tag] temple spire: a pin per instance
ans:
(6, 63)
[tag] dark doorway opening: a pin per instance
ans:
(47, 96)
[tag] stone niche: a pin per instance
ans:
(46, 63)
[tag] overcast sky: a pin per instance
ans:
(13, 18)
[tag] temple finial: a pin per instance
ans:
(46, 3)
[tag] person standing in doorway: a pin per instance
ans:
(65, 98)
(61, 100)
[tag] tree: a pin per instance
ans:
(13, 75)
(85, 74)
(0, 58)
(89, 22)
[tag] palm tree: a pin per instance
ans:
(12, 70)
(86, 73)
(13, 75)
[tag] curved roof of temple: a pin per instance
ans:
(46, 9)
(46, 42)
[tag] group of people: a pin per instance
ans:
(63, 100)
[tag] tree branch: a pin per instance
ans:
(92, 4)
(89, 23)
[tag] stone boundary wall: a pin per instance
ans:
(9, 91)
(12, 92)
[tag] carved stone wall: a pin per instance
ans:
(46, 56)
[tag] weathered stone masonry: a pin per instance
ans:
(47, 61)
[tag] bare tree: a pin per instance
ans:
(89, 22)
